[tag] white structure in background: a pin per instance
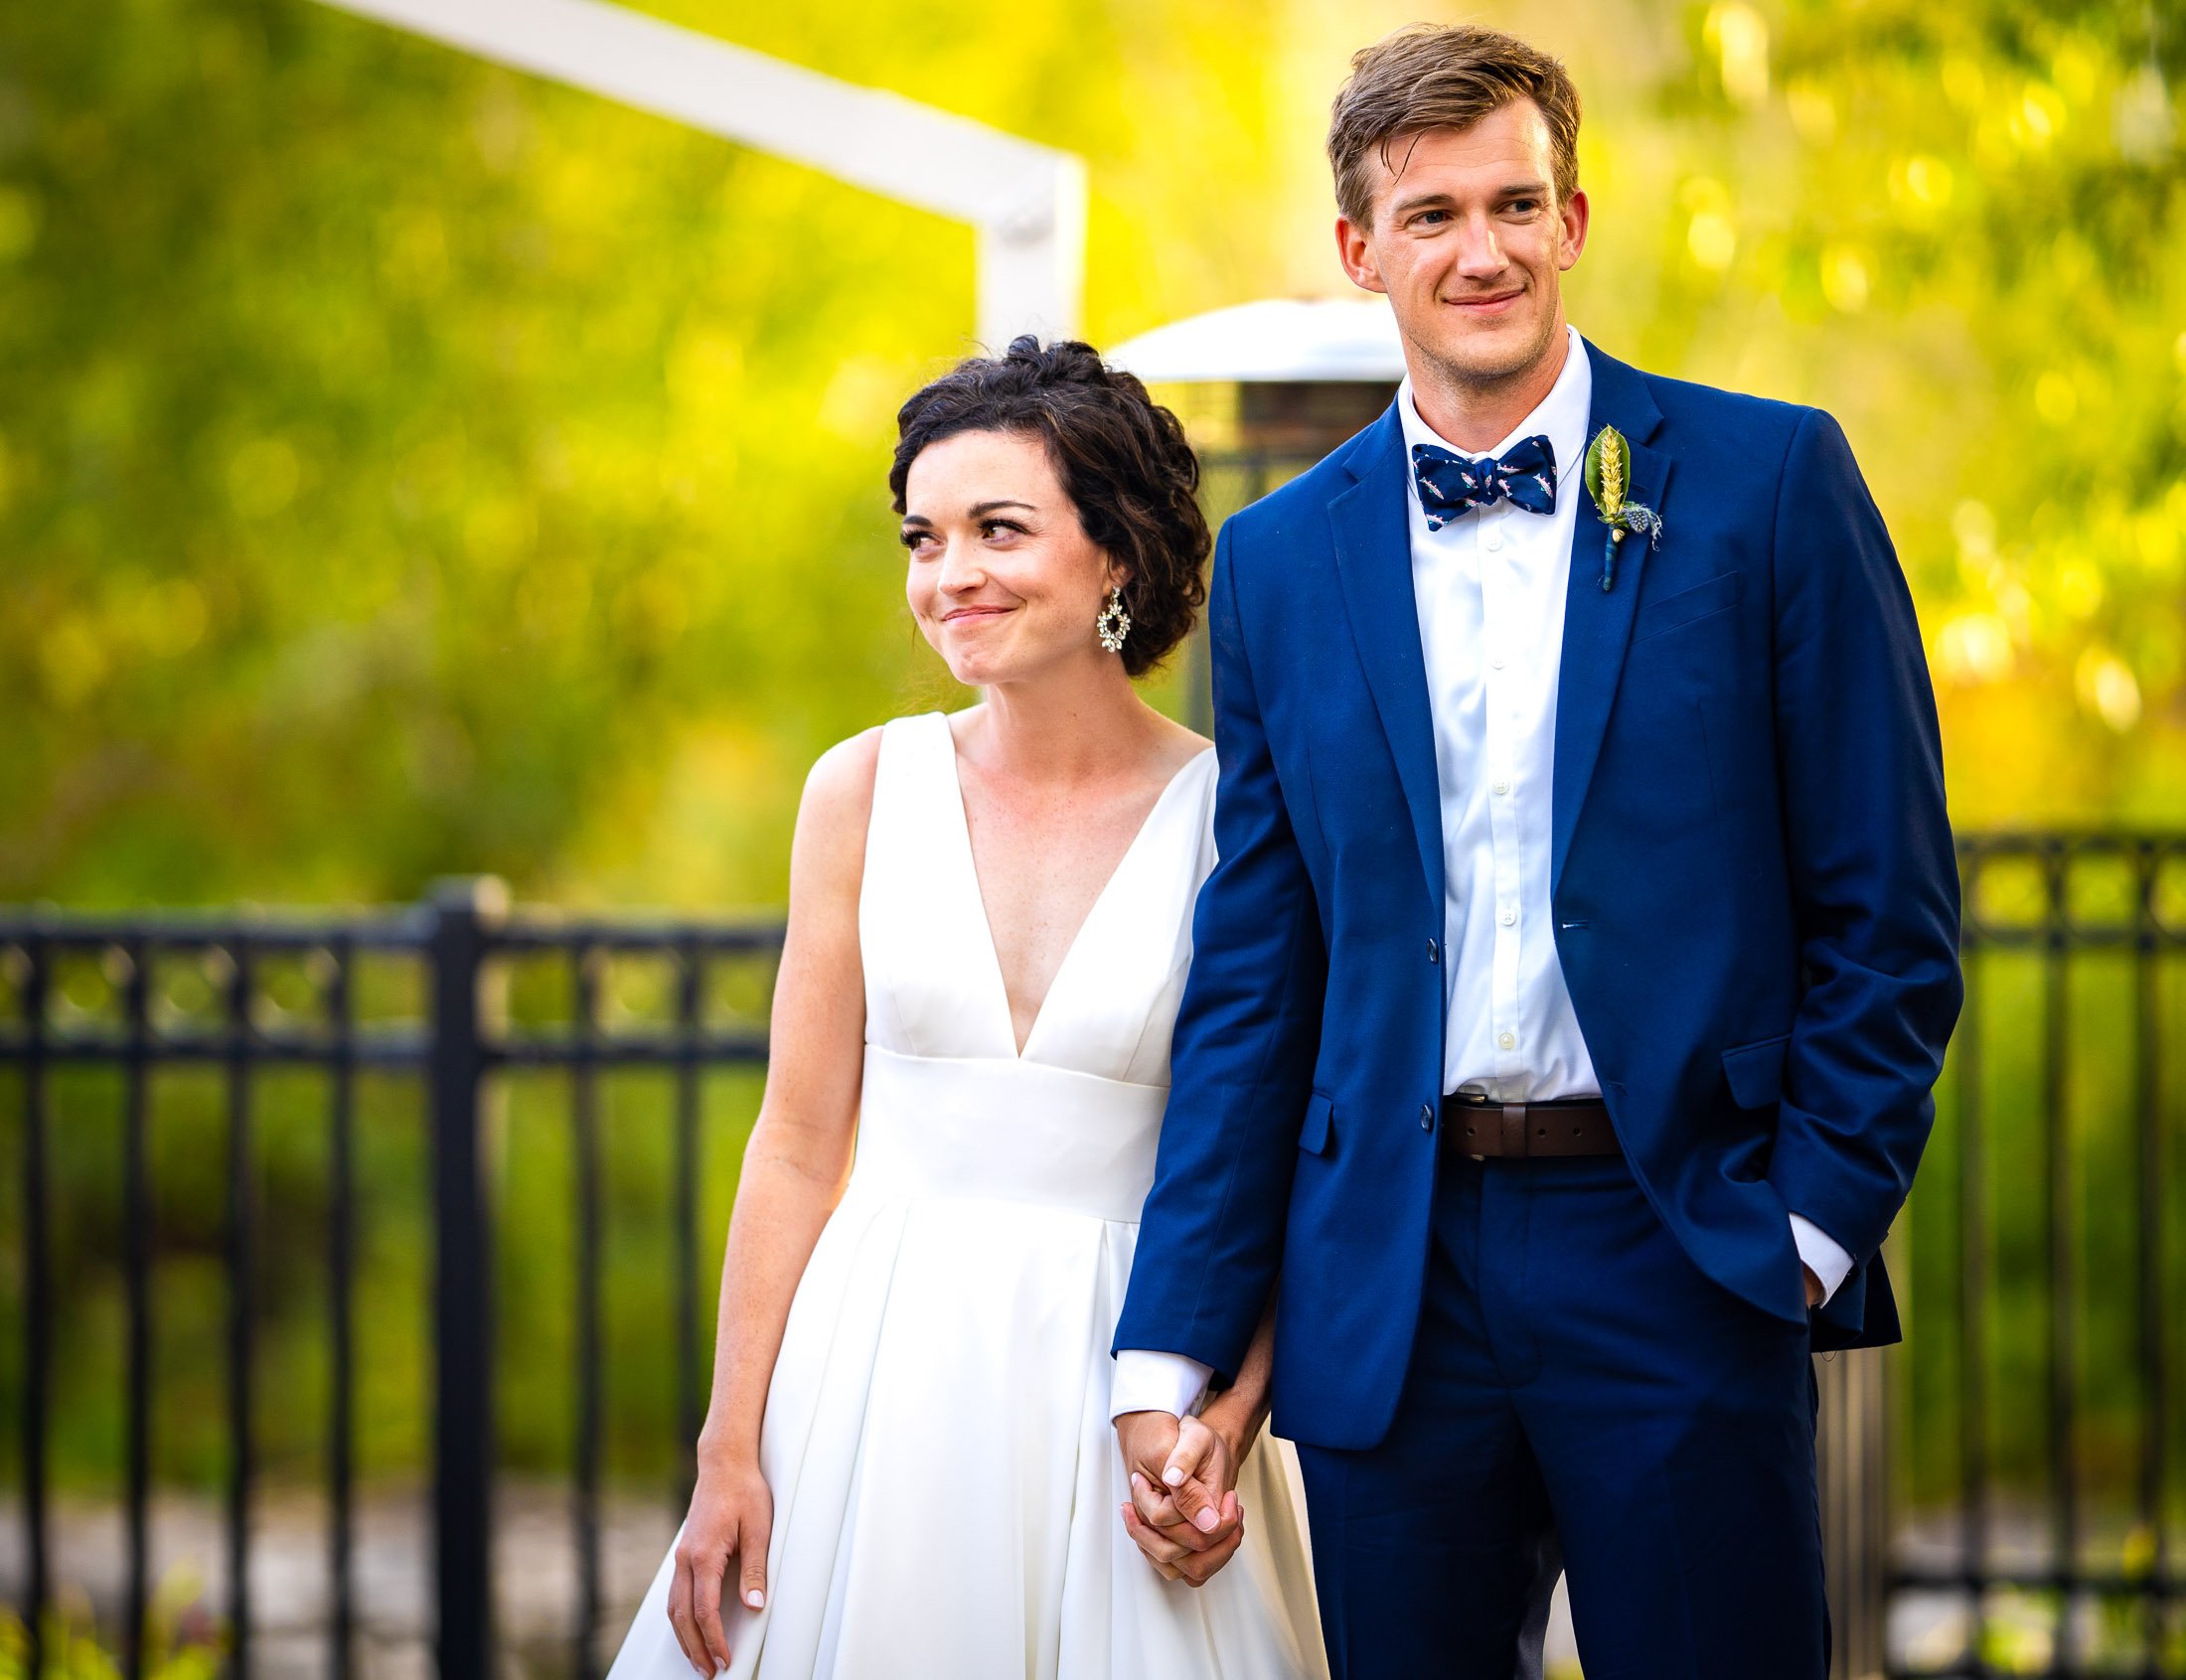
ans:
(1026, 202)
(1325, 341)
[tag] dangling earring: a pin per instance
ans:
(1114, 624)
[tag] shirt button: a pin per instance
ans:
(1426, 1116)
(1434, 953)
(1509, 916)
(1495, 541)
(1502, 787)
(1496, 661)
(1507, 1040)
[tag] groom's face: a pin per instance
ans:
(1469, 241)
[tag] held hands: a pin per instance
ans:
(731, 1514)
(1184, 1510)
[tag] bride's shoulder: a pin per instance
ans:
(828, 849)
(1180, 747)
(838, 787)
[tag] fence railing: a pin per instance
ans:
(461, 1038)
(2057, 1107)
(2040, 1416)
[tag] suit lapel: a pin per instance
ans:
(1597, 626)
(1373, 546)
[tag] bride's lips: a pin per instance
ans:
(963, 613)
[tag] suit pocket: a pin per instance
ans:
(1319, 1130)
(1673, 611)
(1756, 1071)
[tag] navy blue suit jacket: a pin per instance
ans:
(1753, 883)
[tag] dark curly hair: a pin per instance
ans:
(1122, 459)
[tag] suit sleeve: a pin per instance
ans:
(1874, 877)
(1247, 1033)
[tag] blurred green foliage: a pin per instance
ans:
(73, 1651)
(407, 468)
(1959, 227)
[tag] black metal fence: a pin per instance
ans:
(2020, 1521)
(461, 1038)
(2037, 1419)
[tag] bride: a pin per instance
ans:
(907, 1466)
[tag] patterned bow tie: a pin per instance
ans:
(1449, 484)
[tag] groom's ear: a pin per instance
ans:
(1577, 218)
(1356, 250)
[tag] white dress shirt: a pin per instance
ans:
(1489, 587)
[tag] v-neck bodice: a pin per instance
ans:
(933, 982)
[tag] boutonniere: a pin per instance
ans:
(1608, 482)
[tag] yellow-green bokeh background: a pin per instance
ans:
(408, 467)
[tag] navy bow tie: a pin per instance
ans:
(1449, 484)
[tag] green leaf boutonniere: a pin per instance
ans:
(1608, 482)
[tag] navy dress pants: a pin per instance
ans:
(1577, 1381)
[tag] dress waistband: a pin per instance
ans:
(1008, 1130)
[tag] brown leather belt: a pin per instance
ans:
(1479, 1126)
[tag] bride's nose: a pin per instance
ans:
(962, 568)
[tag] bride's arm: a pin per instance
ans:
(799, 1155)
(794, 1170)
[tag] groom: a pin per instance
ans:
(1565, 1004)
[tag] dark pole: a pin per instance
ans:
(690, 1014)
(464, 914)
(584, 1118)
(137, 1271)
(241, 1307)
(2156, 1411)
(37, 1306)
(341, 1279)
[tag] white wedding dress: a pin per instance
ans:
(947, 1487)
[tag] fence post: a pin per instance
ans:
(463, 911)
(1854, 1470)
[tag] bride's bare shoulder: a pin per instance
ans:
(1179, 745)
(840, 783)
(836, 805)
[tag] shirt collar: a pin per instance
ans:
(1561, 416)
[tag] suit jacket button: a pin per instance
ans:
(1434, 951)
(1426, 1116)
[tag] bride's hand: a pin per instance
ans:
(732, 1515)
(1192, 1524)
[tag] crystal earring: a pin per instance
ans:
(1114, 624)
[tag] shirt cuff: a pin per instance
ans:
(1823, 1254)
(1156, 1381)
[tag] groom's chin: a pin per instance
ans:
(1486, 352)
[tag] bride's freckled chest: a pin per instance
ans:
(1041, 864)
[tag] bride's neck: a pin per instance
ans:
(1065, 727)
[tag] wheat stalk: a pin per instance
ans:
(1612, 474)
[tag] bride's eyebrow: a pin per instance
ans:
(978, 511)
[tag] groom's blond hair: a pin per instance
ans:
(1436, 75)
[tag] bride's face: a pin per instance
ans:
(1002, 579)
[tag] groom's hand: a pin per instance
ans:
(1814, 1291)
(1187, 1529)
